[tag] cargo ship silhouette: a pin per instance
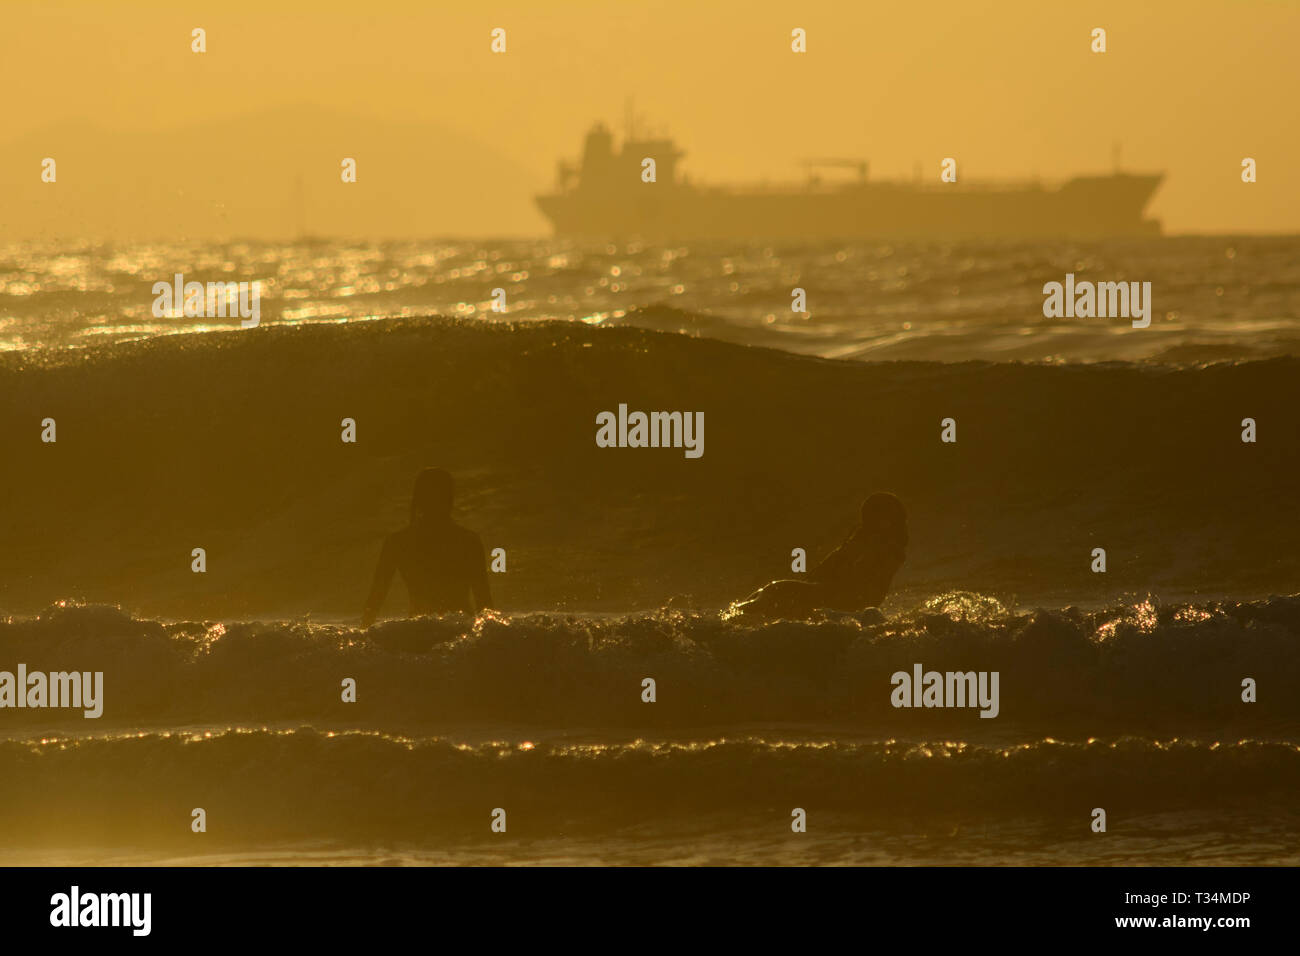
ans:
(604, 196)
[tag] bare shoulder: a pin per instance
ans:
(465, 536)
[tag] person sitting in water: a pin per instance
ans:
(442, 563)
(854, 576)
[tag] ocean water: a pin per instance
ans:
(1131, 710)
(1214, 298)
(1118, 690)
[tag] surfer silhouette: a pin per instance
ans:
(854, 576)
(441, 563)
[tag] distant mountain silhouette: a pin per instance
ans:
(240, 177)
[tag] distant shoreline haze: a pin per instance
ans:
(434, 181)
(155, 141)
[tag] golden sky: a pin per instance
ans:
(155, 141)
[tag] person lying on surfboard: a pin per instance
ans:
(854, 576)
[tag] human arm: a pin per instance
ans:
(838, 561)
(479, 577)
(384, 571)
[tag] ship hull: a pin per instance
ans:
(1086, 207)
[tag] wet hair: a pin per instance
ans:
(432, 495)
(885, 514)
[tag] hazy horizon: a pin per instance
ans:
(153, 140)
